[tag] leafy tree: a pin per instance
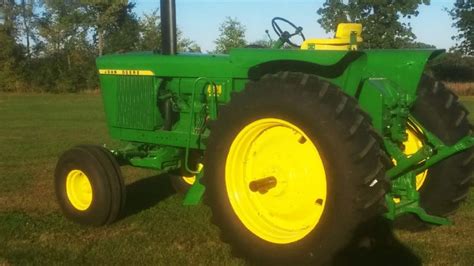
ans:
(10, 55)
(2, 15)
(150, 35)
(26, 23)
(10, 51)
(187, 45)
(232, 35)
(453, 67)
(66, 53)
(62, 26)
(261, 43)
(8, 16)
(124, 34)
(463, 15)
(51, 45)
(102, 16)
(380, 18)
(418, 45)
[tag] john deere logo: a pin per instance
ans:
(126, 72)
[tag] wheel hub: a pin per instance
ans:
(263, 185)
(79, 190)
(276, 159)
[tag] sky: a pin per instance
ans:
(199, 20)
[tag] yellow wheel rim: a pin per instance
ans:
(79, 190)
(412, 145)
(190, 179)
(289, 206)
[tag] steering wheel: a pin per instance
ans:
(284, 35)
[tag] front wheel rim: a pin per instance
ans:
(279, 152)
(79, 190)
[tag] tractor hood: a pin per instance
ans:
(401, 66)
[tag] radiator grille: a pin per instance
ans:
(136, 102)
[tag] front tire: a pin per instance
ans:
(296, 167)
(89, 185)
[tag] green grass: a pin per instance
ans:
(156, 229)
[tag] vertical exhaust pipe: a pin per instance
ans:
(169, 43)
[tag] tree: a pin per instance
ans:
(418, 45)
(66, 57)
(453, 67)
(463, 15)
(2, 16)
(51, 45)
(261, 43)
(111, 18)
(10, 51)
(150, 35)
(187, 45)
(232, 35)
(62, 26)
(380, 18)
(123, 34)
(27, 20)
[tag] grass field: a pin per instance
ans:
(156, 229)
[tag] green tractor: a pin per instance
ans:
(292, 149)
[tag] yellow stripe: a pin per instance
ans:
(125, 72)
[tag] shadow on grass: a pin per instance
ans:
(376, 244)
(146, 193)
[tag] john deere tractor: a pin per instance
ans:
(292, 149)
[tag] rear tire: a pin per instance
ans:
(89, 185)
(447, 183)
(349, 150)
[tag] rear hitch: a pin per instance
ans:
(404, 198)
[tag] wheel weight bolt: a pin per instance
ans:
(319, 202)
(302, 140)
(262, 185)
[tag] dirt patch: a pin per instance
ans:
(36, 197)
(4, 262)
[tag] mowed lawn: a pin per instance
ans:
(157, 229)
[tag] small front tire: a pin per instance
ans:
(89, 185)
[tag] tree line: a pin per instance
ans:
(48, 45)
(52, 45)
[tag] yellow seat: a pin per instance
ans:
(342, 41)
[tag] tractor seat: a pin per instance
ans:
(342, 41)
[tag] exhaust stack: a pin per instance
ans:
(169, 41)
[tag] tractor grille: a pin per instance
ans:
(136, 102)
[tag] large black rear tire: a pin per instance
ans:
(447, 183)
(348, 147)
